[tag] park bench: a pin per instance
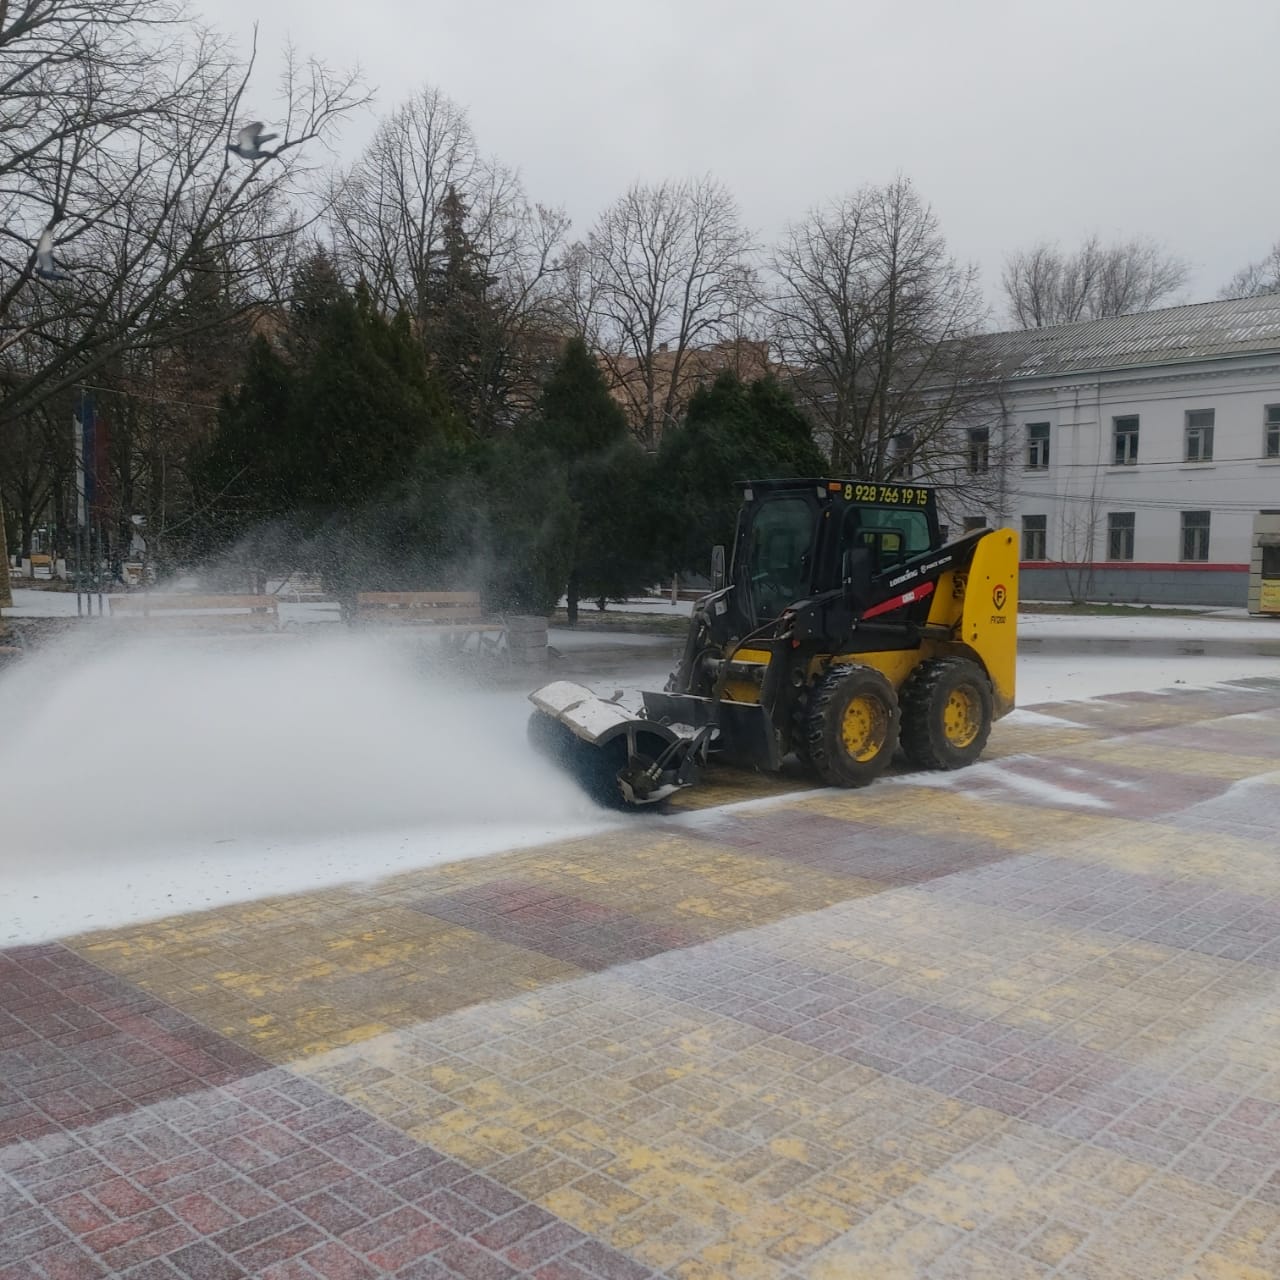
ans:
(456, 615)
(177, 611)
(40, 562)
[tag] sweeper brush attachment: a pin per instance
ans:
(620, 760)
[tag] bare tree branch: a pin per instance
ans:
(1044, 286)
(874, 322)
(665, 270)
(124, 140)
(1256, 278)
(391, 228)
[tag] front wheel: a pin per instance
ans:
(851, 727)
(946, 713)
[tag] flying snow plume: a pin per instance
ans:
(152, 777)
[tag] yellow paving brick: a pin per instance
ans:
(1214, 1266)
(723, 1259)
(314, 990)
(1164, 758)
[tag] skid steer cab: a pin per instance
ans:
(845, 631)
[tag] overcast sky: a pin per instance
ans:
(1018, 120)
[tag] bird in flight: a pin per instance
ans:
(46, 268)
(248, 143)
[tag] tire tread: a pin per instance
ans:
(922, 740)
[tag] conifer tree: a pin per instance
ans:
(607, 474)
(733, 431)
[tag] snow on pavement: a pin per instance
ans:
(173, 776)
(1059, 677)
(1156, 626)
(161, 777)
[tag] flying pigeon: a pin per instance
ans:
(46, 268)
(248, 143)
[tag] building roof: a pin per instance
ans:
(1173, 335)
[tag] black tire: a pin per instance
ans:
(852, 726)
(946, 713)
(800, 729)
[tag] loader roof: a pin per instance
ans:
(828, 483)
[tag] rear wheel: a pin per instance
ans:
(800, 729)
(851, 726)
(946, 713)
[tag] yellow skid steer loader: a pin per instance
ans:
(846, 629)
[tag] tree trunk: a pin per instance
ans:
(571, 598)
(26, 528)
(6, 600)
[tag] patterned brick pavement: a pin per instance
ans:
(1019, 1021)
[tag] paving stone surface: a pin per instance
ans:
(1023, 1020)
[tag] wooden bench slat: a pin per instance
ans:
(427, 620)
(459, 628)
(157, 603)
(419, 598)
(209, 621)
(175, 611)
(440, 612)
(450, 611)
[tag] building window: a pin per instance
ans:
(1126, 441)
(1038, 445)
(903, 469)
(1271, 436)
(1034, 529)
(979, 451)
(1120, 535)
(1195, 535)
(1200, 435)
(974, 522)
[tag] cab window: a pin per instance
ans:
(778, 554)
(891, 534)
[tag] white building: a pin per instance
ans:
(1134, 453)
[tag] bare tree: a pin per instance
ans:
(1044, 286)
(400, 215)
(388, 209)
(1256, 278)
(875, 322)
(115, 137)
(34, 459)
(136, 176)
(665, 270)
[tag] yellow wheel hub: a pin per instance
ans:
(961, 718)
(863, 728)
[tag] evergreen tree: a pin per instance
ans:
(347, 446)
(315, 290)
(463, 335)
(316, 444)
(531, 525)
(245, 476)
(607, 476)
(366, 405)
(733, 431)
